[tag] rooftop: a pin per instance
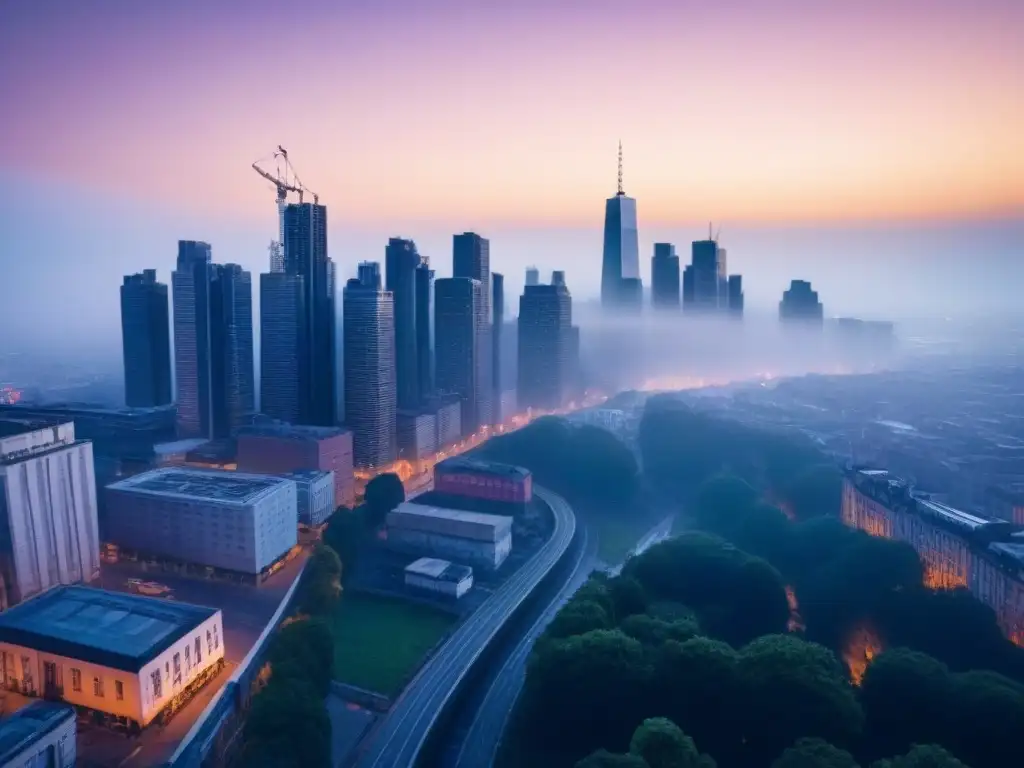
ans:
(422, 510)
(441, 570)
(21, 729)
(108, 628)
(10, 426)
(465, 464)
(291, 431)
(206, 484)
(305, 475)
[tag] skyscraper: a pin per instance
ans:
(532, 276)
(547, 346)
(370, 379)
(497, 324)
(705, 271)
(400, 263)
(461, 360)
(736, 294)
(146, 341)
(621, 257)
(665, 277)
(305, 254)
(424, 320)
(471, 257)
(800, 303)
(233, 386)
(191, 285)
(282, 315)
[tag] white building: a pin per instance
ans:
(124, 655)
(467, 537)
(228, 520)
(315, 497)
(49, 533)
(439, 576)
(39, 735)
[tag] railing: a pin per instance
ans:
(215, 732)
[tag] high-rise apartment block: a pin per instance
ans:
(233, 366)
(305, 255)
(547, 345)
(665, 277)
(471, 257)
(401, 261)
(370, 377)
(461, 360)
(282, 352)
(146, 341)
(621, 254)
(49, 532)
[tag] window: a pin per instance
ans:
(199, 652)
(158, 687)
(97, 687)
(119, 690)
(76, 680)
(216, 637)
(209, 642)
(177, 668)
(188, 658)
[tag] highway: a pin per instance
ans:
(398, 738)
(477, 746)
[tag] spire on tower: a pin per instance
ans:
(621, 191)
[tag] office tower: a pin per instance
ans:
(532, 276)
(621, 257)
(146, 341)
(462, 366)
(701, 281)
(497, 324)
(49, 533)
(370, 379)
(735, 293)
(471, 257)
(424, 319)
(282, 313)
(232, 362)
(190, 282)
(546, 343)
(665, 277)
(400, 263)
(631, 295)
(305, 254)
(276, 250)
(800, 303)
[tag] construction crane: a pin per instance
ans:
(285, 180)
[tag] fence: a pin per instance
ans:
(214, 734)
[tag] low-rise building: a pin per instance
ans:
(490, 480)
(126, 656)
(468, 537)
(40, 735)
(232, 521)
(49, 530)
(315, 491)
(417, 434)
(439, 576)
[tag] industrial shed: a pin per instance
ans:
(467, 537)
(439, 576)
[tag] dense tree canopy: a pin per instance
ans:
(662, 744)
(322, 587)
(815, 753)
(383, 493)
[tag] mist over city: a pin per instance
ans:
(511, 385)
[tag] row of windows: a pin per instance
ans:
(212, 644)
(98, 690)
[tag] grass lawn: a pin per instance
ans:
(380, 641)
(616, 537)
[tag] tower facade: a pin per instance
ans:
(305, 254)
(497, 324)
(424, 321)
(621, 253)
(665, 277)
(191, 281)
(548, 346)
(146, 341)
(282, 317)
(462, 365)
(401, 261)
(233, 387)
(370, 379)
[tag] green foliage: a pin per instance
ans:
(602, 758)
(922, 756)
(383, 493)
(815, 753)
(627, 596)
(654, 632)
(578, 617)
(287, 727)
(662, 744)
(815, 492)
(321, 586)
(305, 648)
(346, 533)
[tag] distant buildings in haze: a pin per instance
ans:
(620, 262)
(548, 346)
(146, 341)
(800, 304)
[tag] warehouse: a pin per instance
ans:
(480, 479)
(126, 656)
(466, 537)
(39, 735)
(439, 576)
(231, 521)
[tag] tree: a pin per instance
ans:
(723, 501)
(922, 756)
(383, 493)
(304, 649)
(602, 758)
(986, 719)
(346, 533)
(578, 617)
(790, 689)
(287, 727)
(322, 582)
(815, 753)
(654, 632)
(816, 491)
(627, 596)
(662, 744)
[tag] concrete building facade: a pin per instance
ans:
(478, 539)
(39, 735)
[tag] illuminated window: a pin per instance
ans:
(76, 680)
(97, 687)
(199, 651)
(119, 690)
(157, 684)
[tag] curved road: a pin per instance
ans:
(479, 746)
(399, 738)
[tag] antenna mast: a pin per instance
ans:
(621, 192)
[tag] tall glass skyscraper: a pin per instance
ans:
(424, 323)
(233, 389)
(191, 285)
(621, 257)
(282, 318)
(146, 341)
(305, 254)
(401, 261)
(460, 347)
(370, 380)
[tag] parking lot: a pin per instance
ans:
(246, 611)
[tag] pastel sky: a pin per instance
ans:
(503, 117)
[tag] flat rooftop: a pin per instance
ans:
(21, 729)
(11, 426)
(463, 464)
(112, 629)
(203, 484)
(291, 431)
(423, 510)
(305, 475)
(440, 570)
